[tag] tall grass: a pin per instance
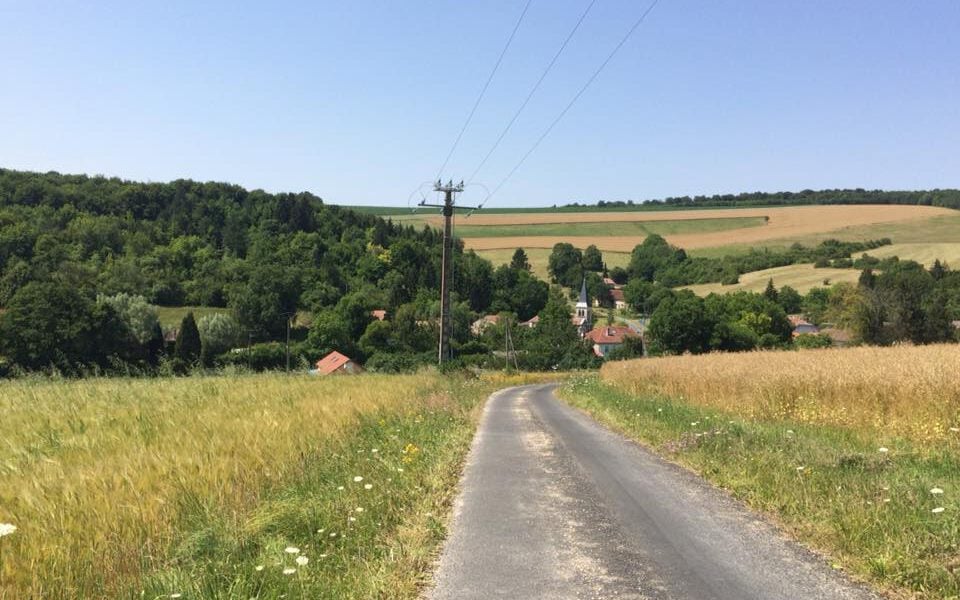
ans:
(906, 391)
(126, 487)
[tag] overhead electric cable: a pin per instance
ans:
(533, 90)
(596, 73)
(483, 91)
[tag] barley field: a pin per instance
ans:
(907, 391)
(228, 486)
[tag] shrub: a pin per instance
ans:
(258, 357)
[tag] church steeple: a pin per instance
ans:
(584, 318)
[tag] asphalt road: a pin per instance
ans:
(553, 505)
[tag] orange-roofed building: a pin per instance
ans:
(336, 363)
(379, 315)
(608, 338)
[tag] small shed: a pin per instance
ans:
(337, 364)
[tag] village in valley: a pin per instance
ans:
(520, 300)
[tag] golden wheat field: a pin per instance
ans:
(909, 391)
(783, 222)
(108, 481)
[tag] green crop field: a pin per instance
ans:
(229, 486)
(621, 228)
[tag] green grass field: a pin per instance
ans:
(631, 228)
(265, 486)
(171, 316)
(800, 277)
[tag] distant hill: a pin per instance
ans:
(948, 198)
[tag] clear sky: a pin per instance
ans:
(359, 101)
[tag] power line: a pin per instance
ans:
(576, 97)
(533, 90)
(483, 91)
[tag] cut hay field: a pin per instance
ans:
(855, 452)
(228, 486)
(800, 277)
(495, 236)
(782, 223)
(923, 253)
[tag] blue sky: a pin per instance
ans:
(360, 101)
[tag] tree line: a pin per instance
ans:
(947, 198)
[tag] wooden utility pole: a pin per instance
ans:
(509, 350)
(446, 273)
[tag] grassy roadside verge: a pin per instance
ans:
(261, 486)
(871, 507)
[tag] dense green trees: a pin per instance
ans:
(263, 256)
(188, 345)
(656, 260)
(554, 343)
(904, 302)
(566, 265)
(519, 261)
(48, 325)
(592, 259)
(219, 333)
(517, 291)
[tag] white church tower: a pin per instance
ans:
(584, 315)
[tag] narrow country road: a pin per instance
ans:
(553, 505)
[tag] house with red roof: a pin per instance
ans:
(608, 338)
(337, 364)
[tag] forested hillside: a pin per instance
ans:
(186, 242)
(66, 240)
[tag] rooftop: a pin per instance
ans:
(331, 362)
